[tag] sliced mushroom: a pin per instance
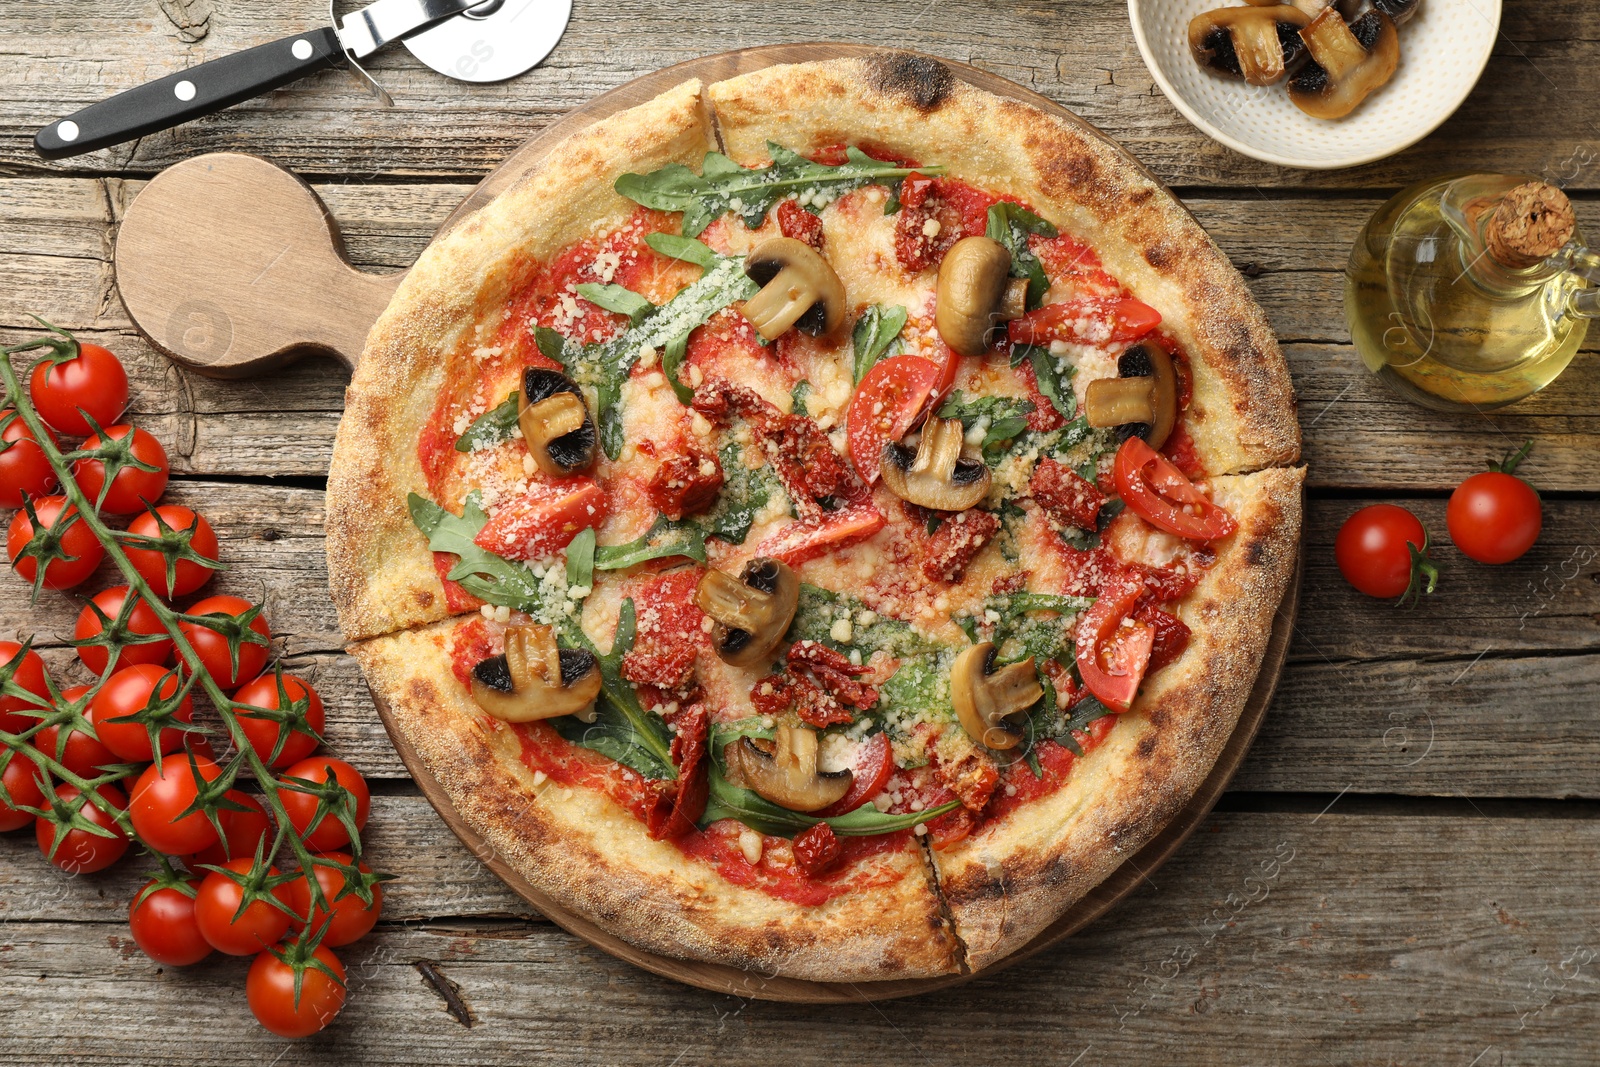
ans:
(976, 293)
(752, 612)
(533, 679)
(985, 698)
(555, 422)
(1260, 43)
(941, 474)
(1348, 62)
(798, 288)
(1400, 11)
(1142, 401)
(784, 771)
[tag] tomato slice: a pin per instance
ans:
(1113, 657)
(874, 764)
(810, 537)
(886, 403)
(1161, 495)
(544, 520)
(1092, 322)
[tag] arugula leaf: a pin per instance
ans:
(723, 185)
(551, 344)
(1051, 381)
(652, 545)
(920, 685)
(493, 426)
(672, 362)
(622, 729)
(1010, 224)
(1027, 624)
(819, 608)
(616, 298)
(876, 331)
(797, 397)
(479, 571)
(685, 248)
(1007, 417)
(728, 801)
(606, 366)
(580, 559)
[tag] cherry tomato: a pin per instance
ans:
(17, 713)
(80, 752)
(1382, 551)
(132, 488)
(152, 565)
(82, 549)
(269, 987)
(164, 927)
(160, 799)
(93, 381)
(242, 831)
(874, 763)
(1494, 517)
(1160, 494)
(352, 920)
(818, 534)
(21, 779)
(886, 403)
(329, 833)
(215, 655)
(216, 911)
(80, 851)
(1113, 649)
(263, 733)
(1095, 320)
(23, 466)
(141, 620)
(128, 692)
(544, 520)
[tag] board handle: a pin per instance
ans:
(232, 266)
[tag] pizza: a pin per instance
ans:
(821, 522)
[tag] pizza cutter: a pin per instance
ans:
(469, 40)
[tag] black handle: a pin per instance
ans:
(200, 90)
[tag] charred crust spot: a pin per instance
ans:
(1255, 553)
(1160, 256)
(1146, 746)
(924, 82)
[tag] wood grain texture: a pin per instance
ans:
(1270, 938)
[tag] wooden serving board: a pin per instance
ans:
(280, 288)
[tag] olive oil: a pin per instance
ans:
(1470, 292)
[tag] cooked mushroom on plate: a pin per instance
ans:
(533, 679)
(941, 473)
(784, 770)
(798, 288)
(1335, 53)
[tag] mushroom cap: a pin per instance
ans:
(798, 288)
(1142, 401)
(751, 613)
(973, 278)
(1348, 62)
(787, 775)
(1259, 43)
(941, 474)
(533, 679)
(545, 420)
(985, 698)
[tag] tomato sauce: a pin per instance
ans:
(776, 874)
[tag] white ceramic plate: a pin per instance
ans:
(1443, 49)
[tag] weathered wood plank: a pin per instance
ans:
(1269, 938)
(1083, 56)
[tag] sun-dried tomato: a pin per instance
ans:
(972, 777)
(1171, 635)
(796, 222)
(669, 632)
(1065, 495)
(956, 542)
(816, 849)
(686, 485)
(835, 672)
(674, 807)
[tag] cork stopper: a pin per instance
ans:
(1533, 222)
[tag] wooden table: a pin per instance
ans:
(1404, 870)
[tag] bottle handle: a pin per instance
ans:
(1585, 263)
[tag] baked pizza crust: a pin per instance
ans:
(1007, 882)
(1242, 417)
(379, 567)
(1013, 878)
(593, 858)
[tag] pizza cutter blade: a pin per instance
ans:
(493, 41)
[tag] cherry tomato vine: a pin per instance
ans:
(185, 799)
